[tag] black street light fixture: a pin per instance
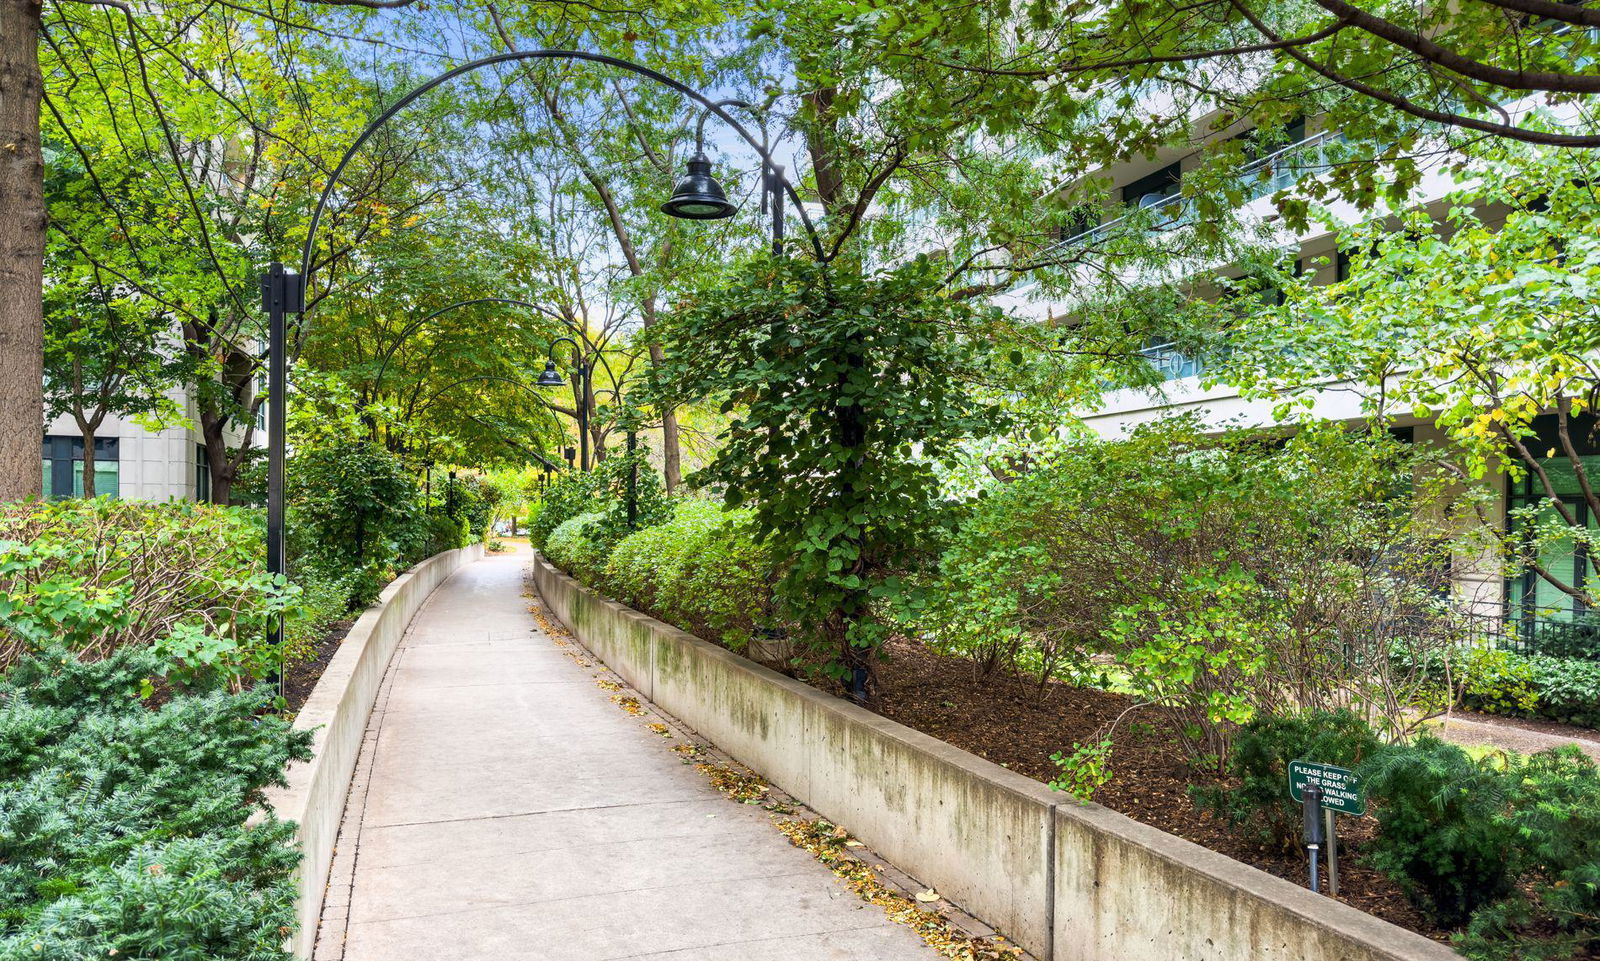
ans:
(698, 195)
(283, 292)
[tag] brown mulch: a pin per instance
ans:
(1009, 720)
(300, 677)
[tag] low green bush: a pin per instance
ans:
(576, 547)
(97, 575)
(1259, 805)
(126, 828)
(324, 598)
(1439, 829)
(1560, 689)
(702, 571)
(1552, 842)
(1567, 690)
(645, 564)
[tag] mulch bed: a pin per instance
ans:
(1009, 720)
(301, 676)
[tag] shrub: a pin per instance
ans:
(1260, 758)
(359, 509)
(576, 547)
(323, 599)
(1520, 685)
(570, 494)
(702, 570)
(101, 574)
(645, 565)
(1227, 576)
(1497, 682)
(444, 533)
(1552, 840)
(125, 830)
(1439, 833)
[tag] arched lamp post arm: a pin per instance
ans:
(415, 325)
(284, 293)
(711, 106)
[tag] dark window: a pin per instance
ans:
(1151, 190)
(1341, 267)
(202, 474)
(62, 460)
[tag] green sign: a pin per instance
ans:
(1341, 789)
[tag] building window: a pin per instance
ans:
(1341, 267)
(1155, 189)
(202, 474)
(1534, 598)
(63, 466)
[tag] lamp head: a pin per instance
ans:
(698, 196)
(551, 377)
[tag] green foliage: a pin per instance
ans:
(1552, 839)
(359, 508)
(577, 547)
(1521, 685)
(1084, 771)
(97, 575)
(1491, 308)
(323, 599)
(1260, 804)
(844, 392)
(1438, 828)
(1225, 576)
(125, 826)
(444, 533)
(1498, 682)
(474, 500)
(570, 494)
(703, 570)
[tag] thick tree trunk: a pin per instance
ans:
(22, 226)
(217, 462)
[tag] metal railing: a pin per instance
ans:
(1171, 362)
(1265, 175)
(1284, 167)
(1530, 630)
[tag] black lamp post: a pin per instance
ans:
(283, 292)
(580, 392)
(427, 485)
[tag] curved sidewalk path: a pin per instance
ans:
(504, 809)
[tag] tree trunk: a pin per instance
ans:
(22, 226)
(88, 462)
(211, 428)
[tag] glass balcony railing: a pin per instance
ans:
(1279, 170)
(1287, 166)
(1170, 362)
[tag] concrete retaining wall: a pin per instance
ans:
(1067, 881)
(337, 713)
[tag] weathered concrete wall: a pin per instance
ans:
(336, 713)
(1067, 881)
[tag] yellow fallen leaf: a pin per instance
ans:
(928, 896)
(854, 844)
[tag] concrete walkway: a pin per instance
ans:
(505, 809)
(1481, 732)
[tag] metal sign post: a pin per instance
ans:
(1335, 790)
(1333, 851)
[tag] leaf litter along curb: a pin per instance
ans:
(829, 844)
